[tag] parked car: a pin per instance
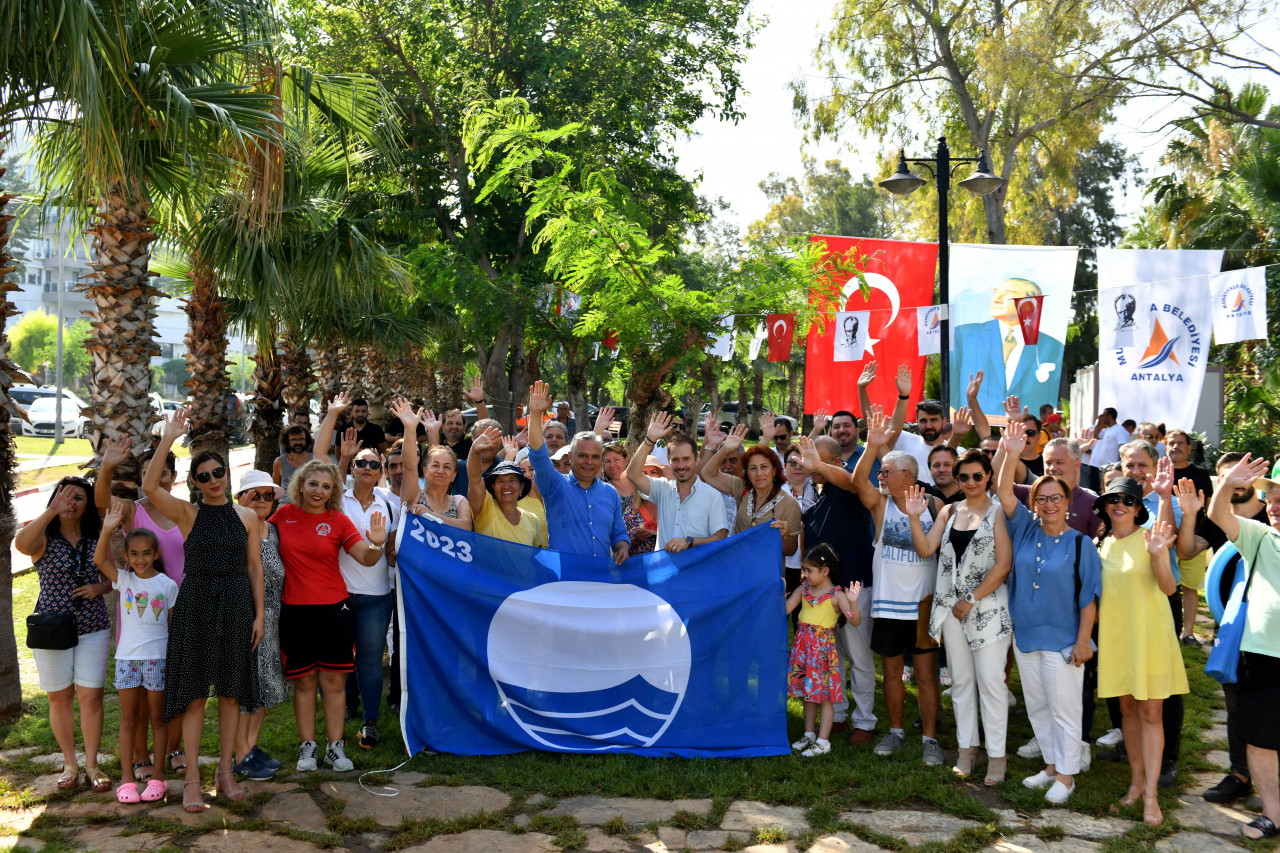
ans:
(164, 408)
(41, 417)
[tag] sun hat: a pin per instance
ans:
(1122, 486)
(255, 479)
(652, 462)
(562, 453)
(507, 468)
(522, 454)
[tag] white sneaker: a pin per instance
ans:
(307, 752)
(820, 747)
(1030, 749)
(1011, 699)
(1058, 793)
(805, 742)
(336, 757)
(1040, 780)
(1115, 737)
(944, 677)
(907, 674)
(1086, 757)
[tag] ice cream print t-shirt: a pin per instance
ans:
(144, 611)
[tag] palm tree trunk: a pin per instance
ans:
(451, 386)
(793, 391)
(268, 404)
(297, 373)
(329, 362)
(431, 386)
(10, 682)
(207, 414)
(123, 340)
(757, 395)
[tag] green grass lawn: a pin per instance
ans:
(850, 777)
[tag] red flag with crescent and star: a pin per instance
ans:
(1028, 308)
(901, 277)
(782, 332)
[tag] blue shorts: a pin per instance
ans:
(140, 673)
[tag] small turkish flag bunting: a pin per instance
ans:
(782, 330)
(1029, 308)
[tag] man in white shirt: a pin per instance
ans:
(690, 513)
(930, 420)
(1109, 437)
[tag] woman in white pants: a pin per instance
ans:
(1053, 598)
(970, 611)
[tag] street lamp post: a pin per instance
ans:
(981, 182)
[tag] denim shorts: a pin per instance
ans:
(140, 673)
(84, 664)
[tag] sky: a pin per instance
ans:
(732, 159)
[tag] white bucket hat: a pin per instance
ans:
(255, 479)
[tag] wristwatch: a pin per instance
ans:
(969, 599)
(688, 540)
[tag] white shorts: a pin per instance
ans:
(84, 665)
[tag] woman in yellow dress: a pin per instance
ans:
(1139, 660)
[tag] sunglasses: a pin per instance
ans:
(991, 454)
(977, 478)
(1053, 499)
(265, 495)
(368, 463)
(216, 474)
(1127, 500)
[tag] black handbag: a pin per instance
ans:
(58, 631)
(52, 631)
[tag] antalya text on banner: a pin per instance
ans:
(1239, 302)
(901, 277)
(986, 282)
(506, 648)
(1153, 341)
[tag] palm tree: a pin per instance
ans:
(177, 105)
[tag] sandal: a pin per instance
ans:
(70, 777)
(141, 774)
(1151, 814)
(97, 780)
(155, 791)
(228, 790)
(1262, 823)
(192, 803)
(995, 771)
(179, 754)
(127, 793)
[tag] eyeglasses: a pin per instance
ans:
(368, 463)
(1051, 499)
(794, 463)
(216, 474)
(265, 495)
(977, 478)
(991, 454)
(1127, 500)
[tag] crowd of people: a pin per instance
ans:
(1077, 559)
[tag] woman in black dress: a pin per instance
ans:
(217, 620)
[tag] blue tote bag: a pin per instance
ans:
(1224, 658)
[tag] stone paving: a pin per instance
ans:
(340, 815)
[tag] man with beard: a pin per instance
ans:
(454, 429)
(1178, 449)
(584, 512)
(1244, 504)
(369, 434)
(690, 512)
(929, 421)
(942, 467)
(295, 443)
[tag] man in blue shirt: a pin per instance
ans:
(584, 513)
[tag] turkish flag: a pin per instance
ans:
(611, 339)
(782, 332)
(1029, 317)
(901, 277)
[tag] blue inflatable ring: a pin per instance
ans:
(1213, 578)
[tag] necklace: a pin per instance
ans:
(752, 513)
(1035, 583)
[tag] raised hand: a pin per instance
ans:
(113, 518)
(377, 533)
(428, 419)
(1085, 438)
(522, 437)
(768, 426)
(868, 374)
(1245, 472)
(904, 380)
(509, 448)
(809, 456)
(975, 385)
(176, 426)
(476, 392)
(403, 410)
(1162, 482)
(917, 500)
(877, 427)
(713, 434)
(62, 500)
(962, 422)
(339, 403)
(490, 439)
(1014, 440)
(659, 427)
(539, 399)
(1013, 409)
(820, 420)
(854, 591)
(1190, 499)
(351, 445)
(604, 419)
(1160, 537)
(117, 451)
(734, 439)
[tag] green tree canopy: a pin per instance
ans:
(34, 341)
(830, 201)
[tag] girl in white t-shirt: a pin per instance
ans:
(146, 596)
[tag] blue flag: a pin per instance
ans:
(506, 648)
